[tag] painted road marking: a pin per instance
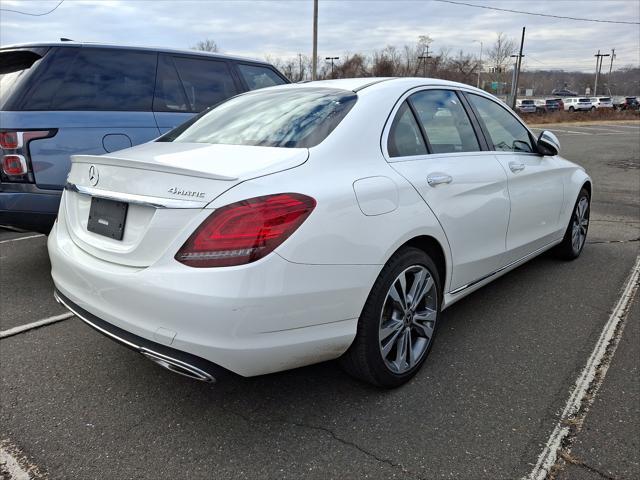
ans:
(585, 381)
(11, 465)
(30, 326)
(22, 238)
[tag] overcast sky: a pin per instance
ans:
(283, 28)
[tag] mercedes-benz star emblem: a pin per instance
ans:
(94, 176)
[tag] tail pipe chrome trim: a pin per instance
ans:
(165, 361)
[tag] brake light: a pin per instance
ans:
(9, 140)
(245, 231)
(15, 156)
(14, 165)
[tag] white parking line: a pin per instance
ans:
(571, 131)
(599, 128)
(22, 238)
(585, 381)
(633, 127)
(29, 326)
(12, 466)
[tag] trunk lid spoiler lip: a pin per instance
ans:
(144, 165)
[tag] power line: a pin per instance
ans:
(536, 14)
(33, 14)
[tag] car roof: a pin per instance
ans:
(71, 43)
(370, 84)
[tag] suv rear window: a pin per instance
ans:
(259, 77)
(206, 82)
(14, 68)
(109, 80)
(290, 118)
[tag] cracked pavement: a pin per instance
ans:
(80, 406)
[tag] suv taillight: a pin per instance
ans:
(245, 231)
(14, 154)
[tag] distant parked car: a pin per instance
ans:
(59, 99)
(526, 106)
(563, 92)
(626, 103)
(553, 104)
(574, 104)
(601, 102)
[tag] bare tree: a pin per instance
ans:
(206, 45)
(499, 54)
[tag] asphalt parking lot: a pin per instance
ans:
(76, 405)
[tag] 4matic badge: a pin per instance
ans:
(186, 193)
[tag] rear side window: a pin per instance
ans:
(15, 65)
(289, 118)
(405, 138)
(205, 82)
(259, 77)
(445, 121)
(506, 133)
(169, 95)
(110, 80)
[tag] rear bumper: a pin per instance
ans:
(183, 363)
(264, 317)
(28, 207)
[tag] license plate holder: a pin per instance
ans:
(107, 217)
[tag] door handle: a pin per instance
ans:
(516, 166)
(439, 178)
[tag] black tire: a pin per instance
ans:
(593, 109)
(571, 109)
(567, 249)
(364, 359)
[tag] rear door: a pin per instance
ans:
(535, 182)
(434, 144)
(186, 85)
(97, 100)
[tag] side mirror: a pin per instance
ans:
(548, 144)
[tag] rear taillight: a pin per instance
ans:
(245, 231)
(15, 156)
(14, 165)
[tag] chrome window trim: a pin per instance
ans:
(146, 200)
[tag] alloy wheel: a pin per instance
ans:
(580, 224)
(408, 319)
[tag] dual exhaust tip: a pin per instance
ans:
(165, 361)
(178, 366)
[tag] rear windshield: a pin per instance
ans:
(290, 118)
(14, 68)
(584, 100)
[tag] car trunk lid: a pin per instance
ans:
(165, 187)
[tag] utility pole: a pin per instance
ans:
(331, 59)
(314, 60)
(613, 55)
(424, 58)
(517, 79)
(599, 57)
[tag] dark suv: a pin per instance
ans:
(60, 99)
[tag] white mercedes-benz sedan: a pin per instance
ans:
(308, 222)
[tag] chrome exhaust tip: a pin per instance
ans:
(178, 366)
